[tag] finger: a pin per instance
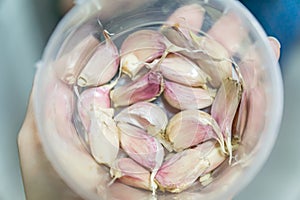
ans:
(275, 44)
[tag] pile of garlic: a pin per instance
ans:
(159, 111)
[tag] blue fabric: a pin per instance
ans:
(279, 18)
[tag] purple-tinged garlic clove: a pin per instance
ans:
(90, 98)
(189, 17)
(103, 136)
(129, 172)
(232, 32)
(225, 107)
(102, 66)
(141, 47)
(191, 127)
(180, 69)
(146, 88)
(181, 170)
(141, 147)
(69, 65)
(184, 97)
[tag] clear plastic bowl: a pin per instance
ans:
(242, 36)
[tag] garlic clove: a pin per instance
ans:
(69, 65)
(141, 147)
(180, 69)
(141, 47)
(189, 17)
(181, 171)
(145, 115)
(240, 119)
(190, 127)
(102, 66)
(224, 108)
(232, 29)
(211, 152)
(103, 136)
(214, 60)
(129, 172)
(146, 88)
(89, 98)
(184, 97)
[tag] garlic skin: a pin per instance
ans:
(89, 98)
(103, 136)
(181, 171)
(191, 127)
(129, 172)
(141, 47)
(145, 115)
(102, 66)
(68, 66)
(184, 97)
(224, 108)
(180, 69)
(141, 147)
(146, 88)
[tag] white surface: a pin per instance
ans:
(21, 46)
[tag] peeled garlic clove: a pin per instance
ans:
(191, 127)
(146, 88)
(181, 171)
(145, 115)
(225, 106)
(70, 64)
(214, 60)
(181, 70)
(141, 147)
(92, 97)
(131, 173)
(190, 17)
(184, 97)
(102, 66)
(103, 136)
(140, 47)
(211, 152)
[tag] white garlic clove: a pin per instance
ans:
(89, 98)
(184, 97)
(181, 171)
(191, 127)
(224, 108)
(68, 66)
(145, 115)
(180, 69)
(146, 88)
(129, 172)
(103, 136)
(141, 147)
(141, 47)
(102, 66)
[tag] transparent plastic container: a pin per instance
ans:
(237, 30)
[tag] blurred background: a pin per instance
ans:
(25, 26)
